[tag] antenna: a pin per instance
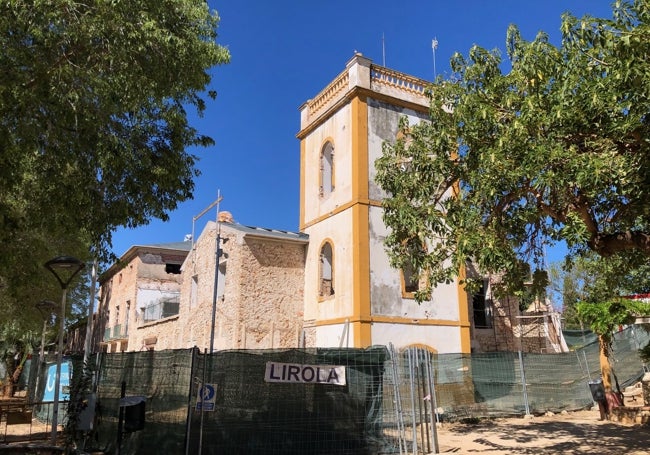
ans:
(383, 50)
(434, 46)
(203, 212)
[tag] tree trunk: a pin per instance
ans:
(8, 387)
(605, 367)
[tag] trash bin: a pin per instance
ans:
(134, 413)
(597, 391)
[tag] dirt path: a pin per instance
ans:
(575, 433)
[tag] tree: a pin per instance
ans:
(564, 290)
(15, 344)
(596, 292)
(94, 128)
(604, 317)
(555, 149)
(591, 278)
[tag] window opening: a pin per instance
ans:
(327, 170)
(410, 273)
(194, 291)
(482, 309)
(326, 271)
(173, 268)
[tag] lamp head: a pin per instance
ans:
(64, 268)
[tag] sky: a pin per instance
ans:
(283, 52)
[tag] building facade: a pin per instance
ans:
(328, 285)
(353, 297)
(163, 296)
(143, 286)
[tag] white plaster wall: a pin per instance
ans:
(383, 121)
(329, 336)
(338, 229)
(336, 128)
(444, 339)
(386, 288)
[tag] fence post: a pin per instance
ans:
(120, 419)
(188, 427)
(523, 381)
(433, 404)
(412, 387)
(205, 361)
(397, 382)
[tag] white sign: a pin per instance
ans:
(206, 397)
(306, 374)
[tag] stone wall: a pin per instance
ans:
(260, 298)
(119, 325)
(503, 335)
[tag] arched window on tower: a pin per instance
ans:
(327, 169)
(326, 286)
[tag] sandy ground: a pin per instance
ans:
(573, 433)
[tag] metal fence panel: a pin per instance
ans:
(389, 403)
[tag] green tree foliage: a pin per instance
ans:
(94, 130)
(15, 344)
(593, 279)
(554, 149)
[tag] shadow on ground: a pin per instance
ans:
(550, 437)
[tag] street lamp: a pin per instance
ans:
(46, 308)
(64, 268)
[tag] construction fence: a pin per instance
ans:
(334, 401)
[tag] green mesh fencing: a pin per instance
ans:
(255, 416)
(625, 356)
(389, 403)
(162, 377)
(492, 384)
(578, 338)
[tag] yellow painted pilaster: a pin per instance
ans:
(463, 313)
(360, 224)
(301, 221)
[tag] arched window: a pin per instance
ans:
(326, 285)
(327, 169)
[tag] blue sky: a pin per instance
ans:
(283, 52)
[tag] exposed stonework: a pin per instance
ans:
(259, 301)
(143, 276)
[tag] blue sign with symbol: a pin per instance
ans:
(206, 397)
(50, 382)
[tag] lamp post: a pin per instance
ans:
(64, 269)
(46, 308)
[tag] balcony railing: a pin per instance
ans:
(117, 331)
(161, 310)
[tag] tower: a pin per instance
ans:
(352, 295)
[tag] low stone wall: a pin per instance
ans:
(630, 415)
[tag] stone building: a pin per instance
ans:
(328, 285)
(162, 297)
(259, 288)
(143, 286)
